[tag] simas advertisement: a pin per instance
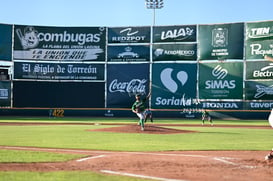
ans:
(221, 80)
(259, 90)
(259, 36)
(5, 42)
(129, 35)
(256, 70)
(221, 41)
(124, 81)
(185, 33)
(59, 43)
(57, 71)
(166, 52)
(128, 53)
(174, 85)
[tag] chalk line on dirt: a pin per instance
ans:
(220, 159)
(139, 176)
(89, 158)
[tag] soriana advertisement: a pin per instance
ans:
(59, 43)
(174, 85)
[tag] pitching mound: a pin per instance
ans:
(149, 129)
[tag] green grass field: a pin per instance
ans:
(77, 137)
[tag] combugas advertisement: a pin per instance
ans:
(59, 43)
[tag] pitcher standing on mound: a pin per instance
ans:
(139, 107)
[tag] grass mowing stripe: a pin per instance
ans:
(35, 156)
(76, 136)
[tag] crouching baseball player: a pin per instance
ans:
(148, 114)
(205, 115)
(139, 108)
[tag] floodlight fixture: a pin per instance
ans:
(154, 4)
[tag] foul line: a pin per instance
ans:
(138, 176)
(220, 159)
(89, 158)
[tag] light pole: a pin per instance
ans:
(154, 4)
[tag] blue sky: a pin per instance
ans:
(132, 12)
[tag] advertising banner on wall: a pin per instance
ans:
(165, 52)
(5, 42)
(5, 93)
(258, 105)
(221, 41)
(129, 35)
(59, 43)
(58, 71)
(129, 53)
(259, 90)
(221, 80)
(259, 39)
(256, 70)
(227, 105)
(124, 81)
(174, 85)
(58, 94)
(186, 33)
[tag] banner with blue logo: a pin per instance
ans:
(128, 53)
(124, 81)
(167, 52)
(5, 42)
(185, 33)
(129, 34)
(174, 85)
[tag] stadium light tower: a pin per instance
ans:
(154, 4)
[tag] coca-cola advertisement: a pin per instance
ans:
(124, 81)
